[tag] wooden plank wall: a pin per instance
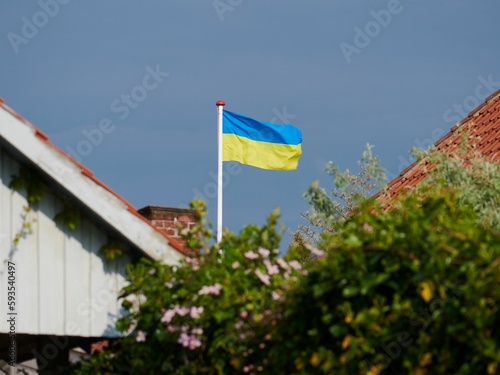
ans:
(63, 286)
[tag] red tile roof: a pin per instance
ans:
(482, 128)
(174, 242)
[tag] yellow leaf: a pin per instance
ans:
(426, 290)
(315, 360)
(348, 318)
(346, 342)
(326, 366)
(419, 371)
(492, 368)
(426, 360)
(298, 365)
(343, 359)
(375, 370)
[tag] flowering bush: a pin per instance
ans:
(212, 314)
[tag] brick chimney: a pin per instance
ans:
(168, 218)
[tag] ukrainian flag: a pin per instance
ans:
(260, 144)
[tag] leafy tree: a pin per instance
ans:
(474, 177)
(349, 190)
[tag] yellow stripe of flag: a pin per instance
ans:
(260, 154)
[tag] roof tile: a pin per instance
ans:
(483, 126)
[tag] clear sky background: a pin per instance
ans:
(395, 74)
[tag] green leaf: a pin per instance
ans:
(337, 330)
(353, 241)
(350, 291)
(224, 315)
(321, 288)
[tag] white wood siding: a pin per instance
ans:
(63, 286)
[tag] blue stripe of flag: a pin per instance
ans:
(250, 128)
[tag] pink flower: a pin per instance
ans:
(170, 284)
(131, 328)
(182, 311)
(244, 314)
(194, 263)
(183, 339)
(295, 265)
(172, 328)
(276, 296)
(141, 336)
(282, 263)
(197, 331)
(167, 316)
(210, 289)
(262, 277)
(264, 252)
(235, 265)
(152, 271)
(315, 251)
(367, 227)
(196, 312)
(271, 268)
(318, 252)
(250, 255)
(239, 324)
(194, 343)
(217, 288)
(191, 342)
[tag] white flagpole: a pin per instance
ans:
(220, 107)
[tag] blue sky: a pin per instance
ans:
(141, 80)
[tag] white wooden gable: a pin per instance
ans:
(63, 285)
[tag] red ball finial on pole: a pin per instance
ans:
(220, 102)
